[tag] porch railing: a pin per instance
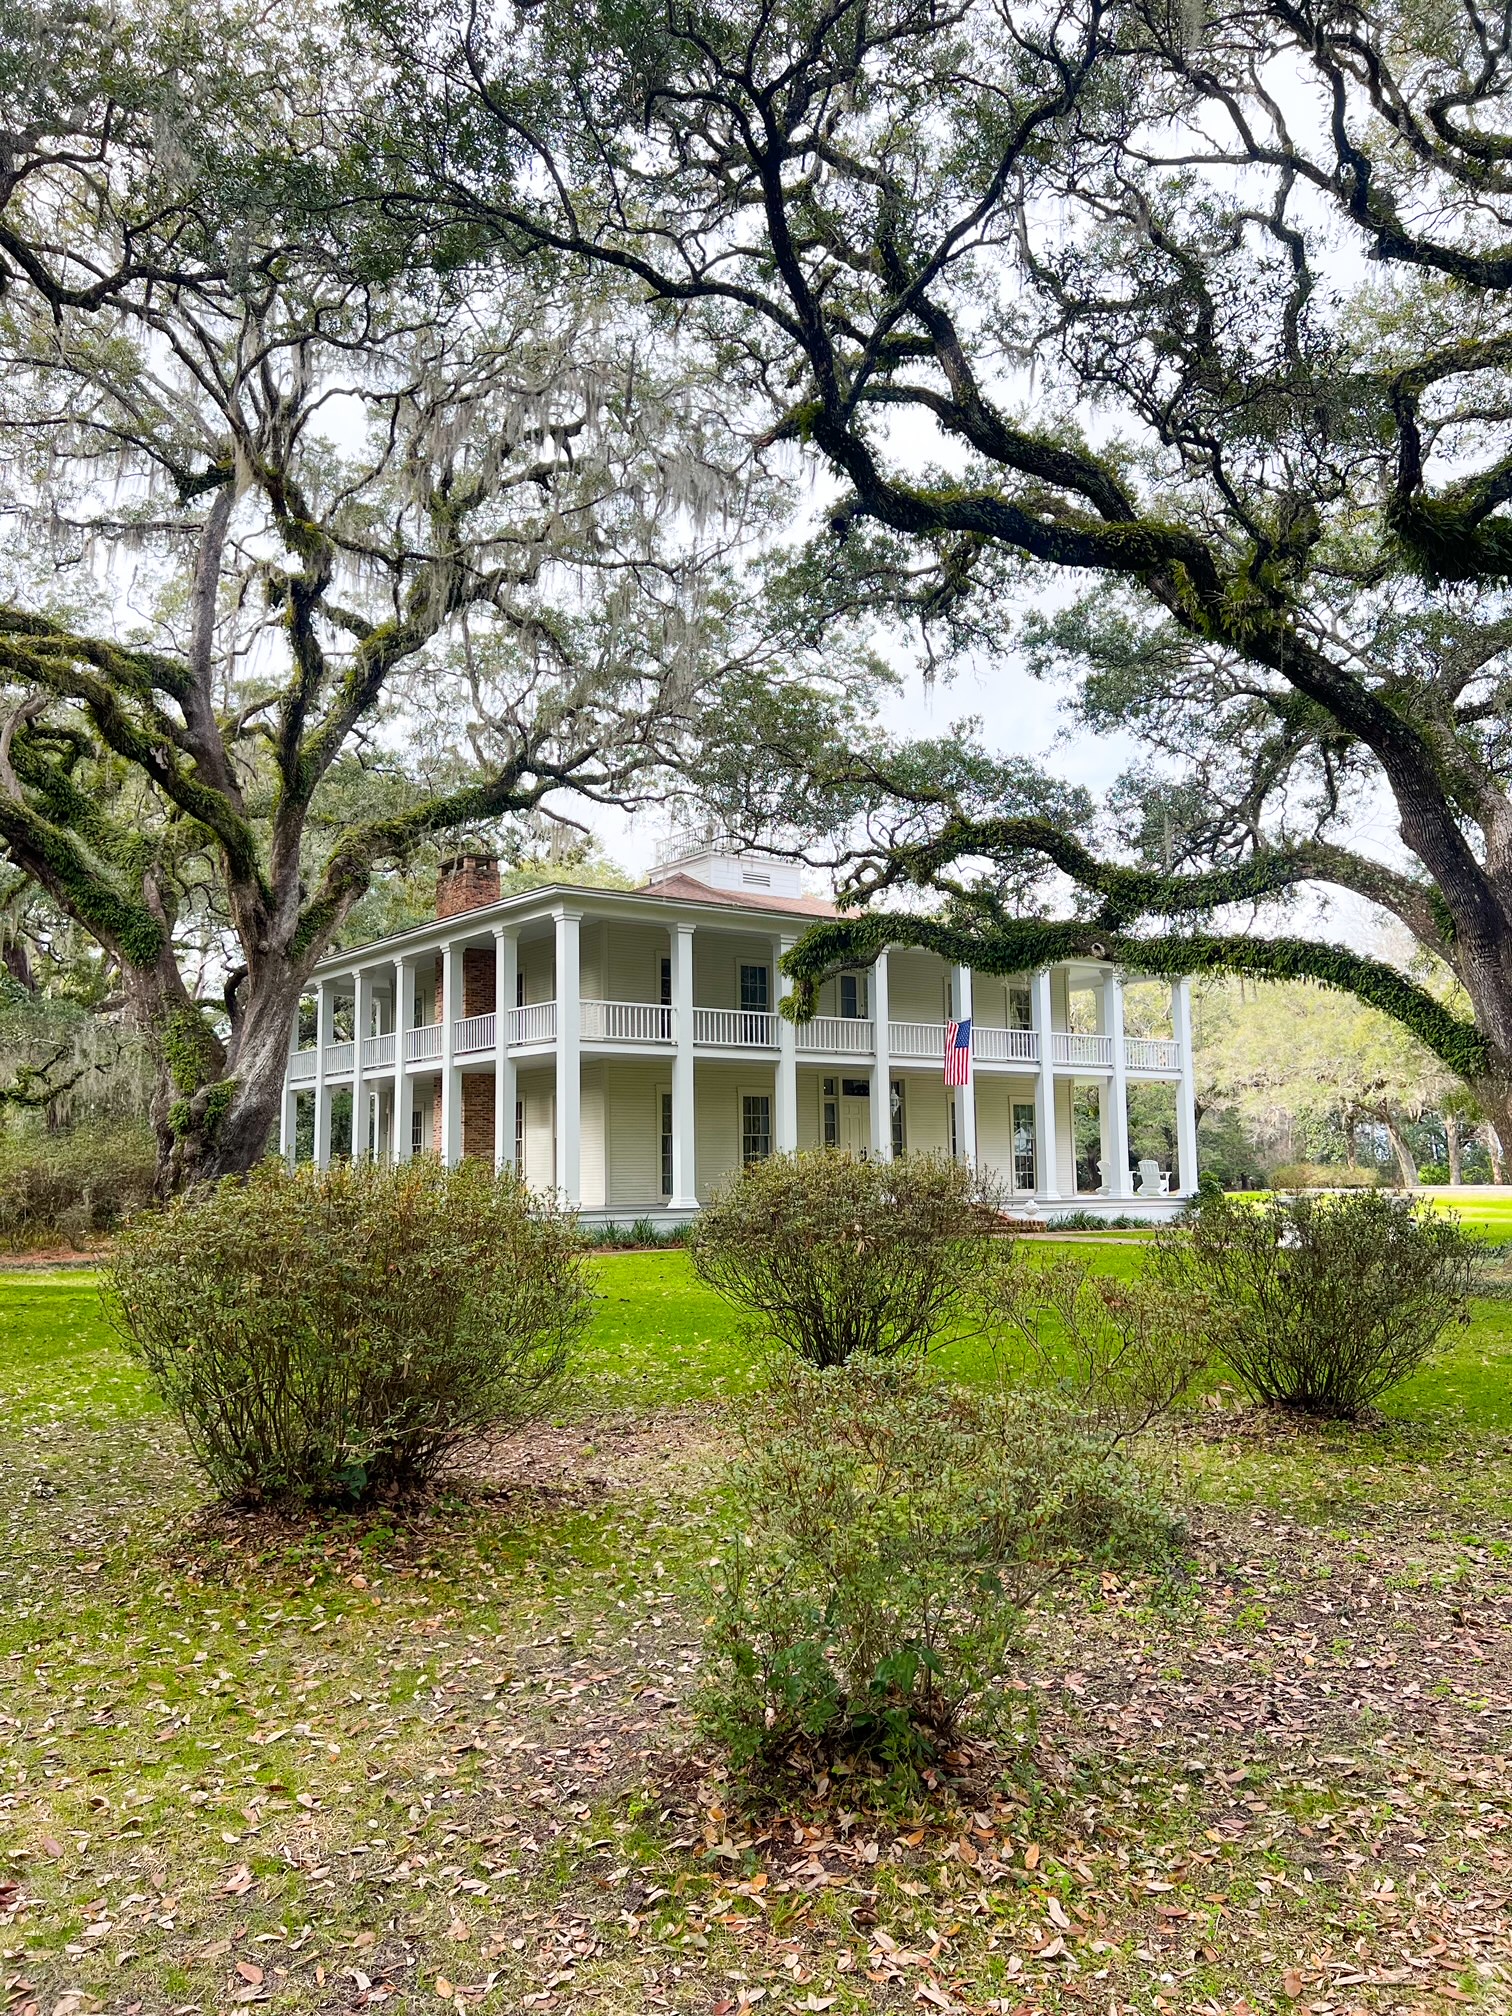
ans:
(472, 1033)
(1070, 1047)
(377, 1052)
(422, 1045)
(1004, 1046)
(1152, 1053)
(838, 1035)
(535, 1023)
(735, 1028)
(302, 1066)
(338, 1060)
(627, 1022)
(917, 1039)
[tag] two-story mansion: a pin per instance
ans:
(623, 1048)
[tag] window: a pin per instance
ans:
(1023, 1145)
(519, 1137)
(417, 1131)
(855, 1088)
(852, 997)
(1020, 1005)
(664, 993)
(950, 1122)
(755, 990)
(666, 1143)
(829, 1096)
(755, 999)
(899, 1129)
(755, 1126)
(520, 987)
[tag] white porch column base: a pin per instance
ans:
(506, 966)
(1186, 1091)
(569, 1074)
(785, 1110)
(1047, 1178)
(684, 1196)
(451, 1078)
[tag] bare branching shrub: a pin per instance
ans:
(1125, 1352)
(835, 1258)
(892, 1531)
(338, 1334)
(1321, 1303)
(75, 1185)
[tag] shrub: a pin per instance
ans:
(1125, 1351)
(340, 1333)
(1324, 1176)
(75, 1185)
(893, 1531)
(835, 1257)
(1322, 1303)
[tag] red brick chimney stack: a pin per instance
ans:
(466, 882)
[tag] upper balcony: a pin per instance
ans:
(646, 1027)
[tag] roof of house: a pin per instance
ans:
(687, 889)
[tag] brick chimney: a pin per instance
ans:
(466, 882)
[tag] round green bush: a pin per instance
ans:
(892, 1530)
(833, 1258)
(1321, 1304)
(338, 1334)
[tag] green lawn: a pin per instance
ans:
(447, 1758)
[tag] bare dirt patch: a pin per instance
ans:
(673, 1451)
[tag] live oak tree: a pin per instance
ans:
(272, 528)
(1187, 325)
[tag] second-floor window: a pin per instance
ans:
(852, 997)
(755, 1000)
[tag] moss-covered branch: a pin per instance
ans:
(1026, 946)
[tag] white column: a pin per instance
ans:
(402, 1131)
(506, 966)
(1047, 1181)
(1186, 1090)
(881, 1118)
(288, 1123)
(785, 1110)
(362, 1015)
(684, 1197)
(1116, 1132)
(965, 1094)
(451, 1077)
(322, 1093)
(569, 1075)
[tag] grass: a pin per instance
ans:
(446, 1759)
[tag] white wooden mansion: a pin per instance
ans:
(639, 1058)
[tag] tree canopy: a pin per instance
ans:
(314, 559)
(1198, 316)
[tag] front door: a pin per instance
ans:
(855, 1117)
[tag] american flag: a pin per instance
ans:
(958, 1052)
